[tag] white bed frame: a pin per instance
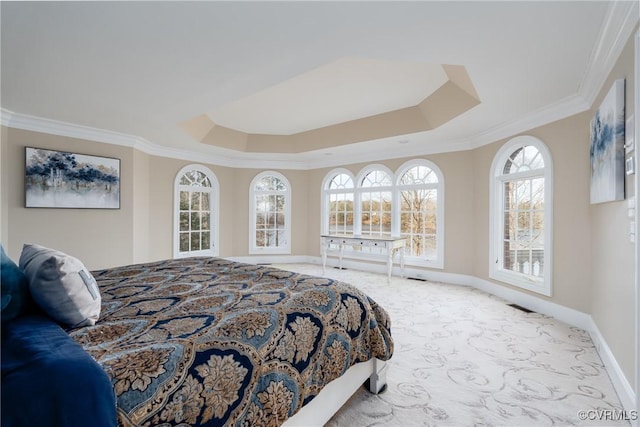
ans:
(337, 392)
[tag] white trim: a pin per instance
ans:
(214, 207)
(275, 259)
(637, 221)
(324, 202)
(394, 188)
(335, 394)
(574, 318)
(566, 107)
(440, 214)
(565, 314)
(282, 249)
(496, 203)
(617, 27)
(359, 189)
(620, 383)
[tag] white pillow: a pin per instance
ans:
(61, 285)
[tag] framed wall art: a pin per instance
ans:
(58, 179)
(607, 147)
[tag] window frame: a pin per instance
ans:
(438, 262)
(214, 207)
(496, 229)
(259, 250)
(395, 189)
(359, 190)
(326, 200)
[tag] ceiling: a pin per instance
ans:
(303, 84)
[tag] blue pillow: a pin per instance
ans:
(13, 288)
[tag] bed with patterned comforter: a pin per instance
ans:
(206, 341)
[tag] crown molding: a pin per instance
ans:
(55, 127)
(620, 20)
(562, 109)
(218, 157)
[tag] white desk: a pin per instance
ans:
(391, 244)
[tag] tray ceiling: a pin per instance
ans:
(289, 81)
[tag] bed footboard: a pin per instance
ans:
(373, 373)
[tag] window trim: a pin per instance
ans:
(359, 189)
(414, 260)
(324, 200)
(496, 222)
(284, 249)
(214, 200)
(394, 188)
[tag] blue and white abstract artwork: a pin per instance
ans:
(607, 147)
(57, 179)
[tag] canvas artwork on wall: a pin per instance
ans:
(57, 179)
(607, 147)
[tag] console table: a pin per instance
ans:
(391, 244)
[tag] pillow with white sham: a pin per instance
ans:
(61, 285)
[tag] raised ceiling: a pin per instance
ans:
(345, 102)
(343, 90)
(303, 84)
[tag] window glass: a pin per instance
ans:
(521, 211)
(195, 212)
(408, 205)
(270, 229)
(419, 211)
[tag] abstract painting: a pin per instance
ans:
(607, 147)
(57, 179)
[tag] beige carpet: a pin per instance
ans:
(465, 358)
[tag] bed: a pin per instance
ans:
(211, 342)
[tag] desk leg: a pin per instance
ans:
(389, 265)
(323, 249)
(340, 256)
(402, 249)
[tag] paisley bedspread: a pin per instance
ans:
(211, 342)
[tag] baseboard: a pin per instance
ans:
(620, 383)
(274, 259)
(574, 318)
(565, 314)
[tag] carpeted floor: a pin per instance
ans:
(466, 358)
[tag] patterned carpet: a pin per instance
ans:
(466, 358)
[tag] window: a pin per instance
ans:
(270, 203)
(196, 212)
(339, 202)
(378, 204)
(521, 212)
(375, 188)
(421, 219)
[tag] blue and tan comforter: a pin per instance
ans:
(206, 341)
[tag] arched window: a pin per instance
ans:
(374, 191)
(196, 196)
(338, 202)
(376, 203)
(270, 222)
(521, 212)
(420, 191)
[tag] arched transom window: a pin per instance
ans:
(382, 203)
(419, 190)
(521, 212)
(270, 203)
(375, 189)
(196, 208)
(339, 199)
